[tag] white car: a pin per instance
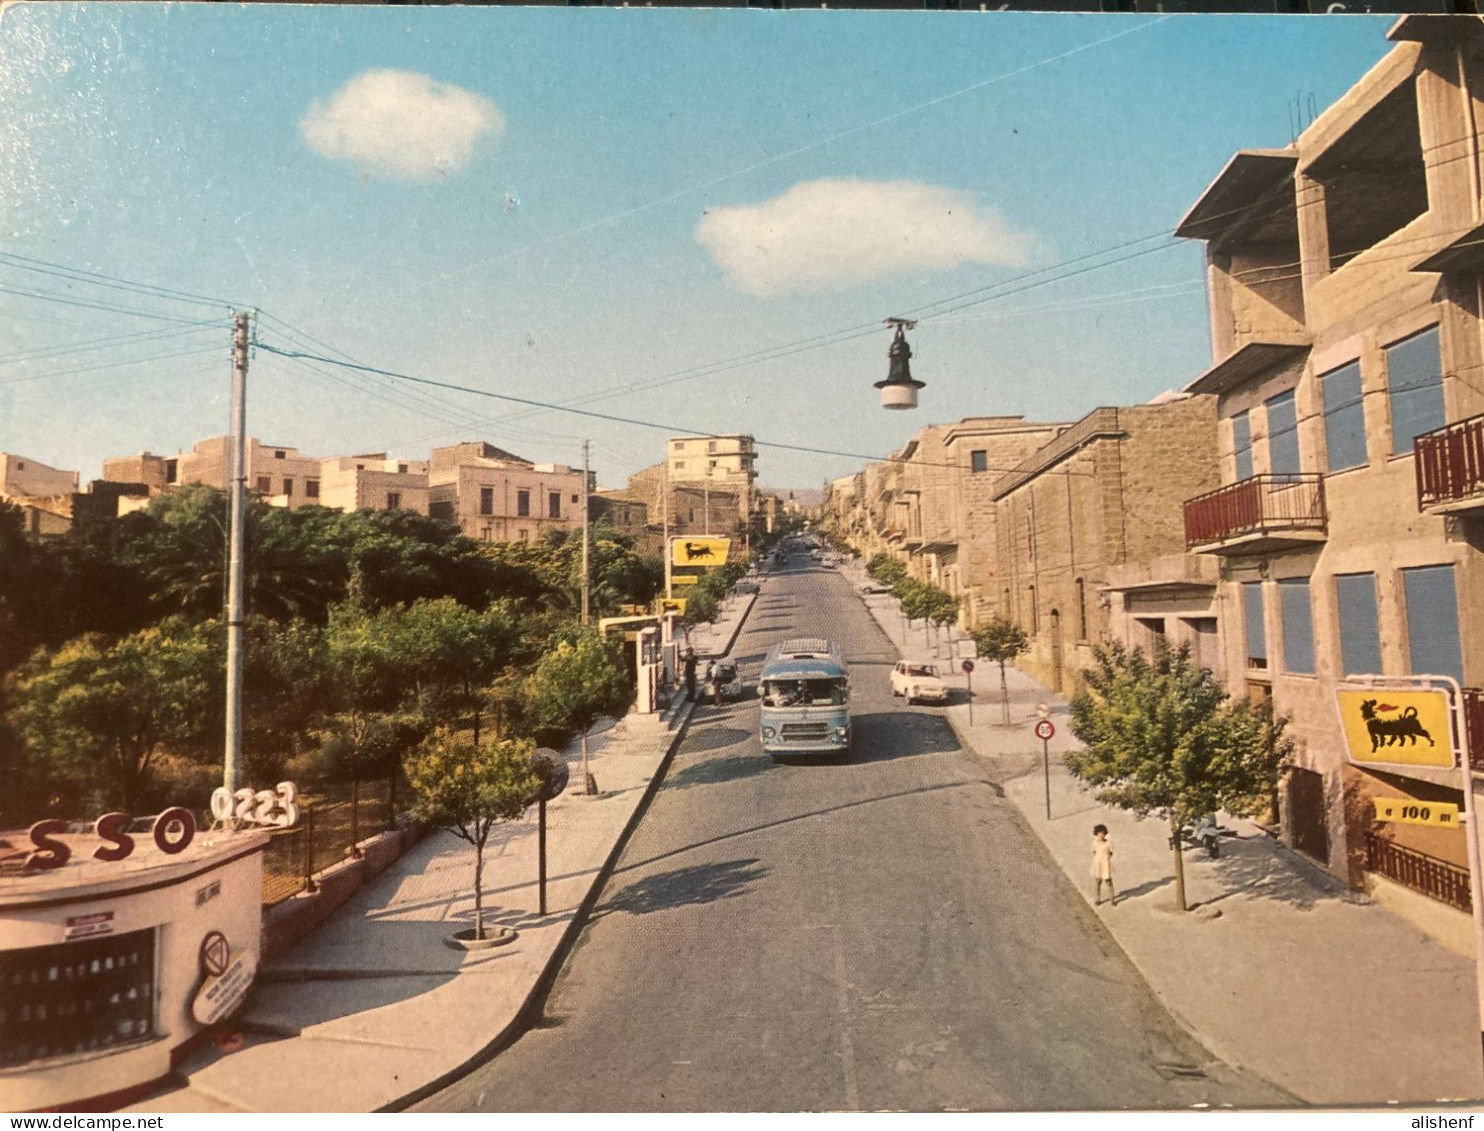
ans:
(918, 682)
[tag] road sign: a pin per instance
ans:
(1045, 729)
(663, 605)
(968, 666)
(689, 551)
(1410, 811)
(684, 579)
(1390, 726)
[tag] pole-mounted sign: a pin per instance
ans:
(688, 551)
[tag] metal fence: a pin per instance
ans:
(1450, 463)
(1437, 879)
(331, 822)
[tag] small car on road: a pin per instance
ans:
(918, 682)
(875, 587)
(728, 682)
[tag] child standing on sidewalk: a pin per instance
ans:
(1102, 866)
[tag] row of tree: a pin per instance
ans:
(369, 633)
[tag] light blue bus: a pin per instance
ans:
(805, 692)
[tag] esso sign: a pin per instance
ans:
(172, 831)
(1045, 729)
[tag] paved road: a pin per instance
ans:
(879, 934)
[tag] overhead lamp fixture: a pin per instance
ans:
(899, 390)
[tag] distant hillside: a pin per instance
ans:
(804, 496)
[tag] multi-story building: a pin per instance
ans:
(372, 482)
(497, 497)
(1346, 280)
(629, 518)
(726, 463)
(274, 471)
(1106, 493)
(692, 507)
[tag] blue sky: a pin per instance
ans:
(560, 203)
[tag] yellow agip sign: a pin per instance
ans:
(663, 605)
(1388, 726)
(687, 551)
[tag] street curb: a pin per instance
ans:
(737, 630)
(530, 1010)
(1213, 1047)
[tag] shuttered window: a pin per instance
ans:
(1242, 445)
(1257, 637)
(1360, 633)
(1414, 376)
(1283, 445)
(1344, 417)
(1432, 621)
(1298, 625)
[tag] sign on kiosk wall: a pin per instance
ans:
(1390, 726)
(689, 551)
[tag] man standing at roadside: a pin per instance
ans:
(690, 675)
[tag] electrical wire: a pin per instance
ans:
(6, 289)
(47, 267)
(46, 353)
(194, 351)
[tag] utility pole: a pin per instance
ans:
(665, 511)
(706, 501)
(586, 579)
(232, 768)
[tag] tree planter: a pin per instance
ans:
(493, 937)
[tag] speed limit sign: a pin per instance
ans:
(1045, 729)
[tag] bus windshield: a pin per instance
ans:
(804, 692)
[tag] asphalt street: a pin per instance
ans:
(882, 933)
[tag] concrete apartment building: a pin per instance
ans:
(727, 463)
(494, 496)
(629, 518)
(275, 471)
(1346, 280)
(1107, 493)
(372, 482)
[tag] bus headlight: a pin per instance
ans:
(769, 734)
(841, 733)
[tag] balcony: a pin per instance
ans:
(1450, 468)
(1261, 515)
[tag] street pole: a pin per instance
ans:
(232, 761)
(1046, 769)
(665, 511)
(586, 579)
(1476, 878)
(541, 849)
(969, 683)
(706, 500)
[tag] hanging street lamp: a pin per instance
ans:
(899, 390)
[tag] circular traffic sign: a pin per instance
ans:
(968, 666)
(1045, 729)
(215, 954)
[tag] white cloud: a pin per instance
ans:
(835, 233)
(400, 124)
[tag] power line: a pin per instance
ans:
(89, 305)
(46, 267)
(194, 351)
(46, 353)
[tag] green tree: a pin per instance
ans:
(1001, 640)
(466, 788)
(1163, 738)
(574, 685)
(886, 569)
(99, 713)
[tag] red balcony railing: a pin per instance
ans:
(1437, 879)
(1450, 464)
(1264, 504)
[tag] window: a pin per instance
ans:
(288, 488)
(1344, 417)
(1035, 612)
(1081, 609)
(680, 465)
(711, 465)
(311, 488)
(1283, 445)
(280, 455)
(1257, 636)
(486, 500)
(711, 447)
(20, 465)
(692, 515)
(523, 534)
(553, 504)
(576, 498)
(1414, 375)
(401, 469)
(979, 461)
(1242, 445)
(487, 533)
(1298, 625)
(172, 470)
(1360, 633)
(265, 485)
(523, 504)
(1432, 622)
(393, 500)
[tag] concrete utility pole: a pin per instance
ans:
(706, 501)
(232, 767)
(665, 511)
(586, 579)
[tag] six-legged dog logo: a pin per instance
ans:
(1392, 732)
(696, 550)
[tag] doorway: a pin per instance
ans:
(1306, 824)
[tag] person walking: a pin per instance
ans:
(690, 675)
(1102, 866)
(713, 688)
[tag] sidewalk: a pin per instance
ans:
(373, 1011)
(1280, 970)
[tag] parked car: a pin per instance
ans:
(875, 587)
(727, 679)
(745, 586)
(918, 682)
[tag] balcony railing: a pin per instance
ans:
(1434, 878)
(1450, 466)
(1259, 512)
